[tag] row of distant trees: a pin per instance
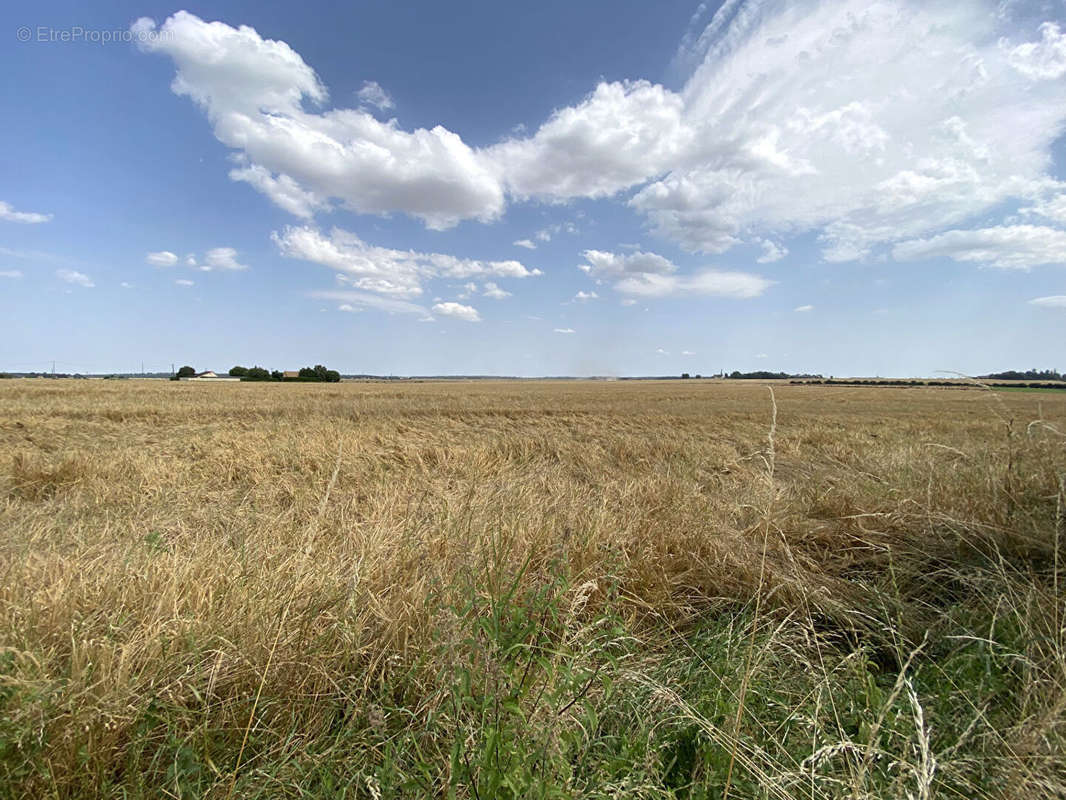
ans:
(1028, 375)
(316, 373)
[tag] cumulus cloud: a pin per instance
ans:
(451, 309)
(868, 124)
(583, 296)
(254, 90)
(652, 275)
(1044, 60)
(224, 258)
(380, 269)
(563, 330)
(490, 289)
(1052, 301)
(162, 258)
(687, 353)
(771, 251)
(526, 243)
(10, 273)
(75, 277)
(601, 264)
(1008, 246)
(803, 309)
(373, 94)
(9, 214)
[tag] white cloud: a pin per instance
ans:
(1043, 60)
(709, 282)
(546, 234)
(223, 258)
(582, 296)
(367, 300)
(450, 309)
(1053, 301)
(381, 269)
(1052, 208)
(824, 115)
(563, 330)
(865, 123)
(9, 214)
(494, 291)
(611, 265)
(373, 94)
(803, 309)
(285, 192)
(1008, 247)
(771, 251)
(10, 273)
(75, 277)
(526, 243)
(184, 282)
(255, 93)
(162, 258)
(687, 353)
(126, 285)
(662, 352)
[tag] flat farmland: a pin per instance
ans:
(530, 589)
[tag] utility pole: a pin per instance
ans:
(53, 368)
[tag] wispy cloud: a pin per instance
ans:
(373, 94)
(1051, 301)
(9, 214)
(75, 277)
(457, 310)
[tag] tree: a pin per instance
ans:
(257, 374)
(319, 373)
(238, 372)
(276, 375)
(186, 372)
(684, 376)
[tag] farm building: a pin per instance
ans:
(209, 376)
(290, 374)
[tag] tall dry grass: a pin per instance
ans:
(530, 589)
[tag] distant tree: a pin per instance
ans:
(4, 376)
(276, 375)
(238, 372)
(319, 373)
(186, 372)
(257, 374)
(685, 376)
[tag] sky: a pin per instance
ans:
(852, 187)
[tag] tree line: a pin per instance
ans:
(317, 373)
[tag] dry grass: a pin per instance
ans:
(530, 589)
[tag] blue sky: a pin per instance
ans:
(850, 188)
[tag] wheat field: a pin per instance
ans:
(697, 589)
